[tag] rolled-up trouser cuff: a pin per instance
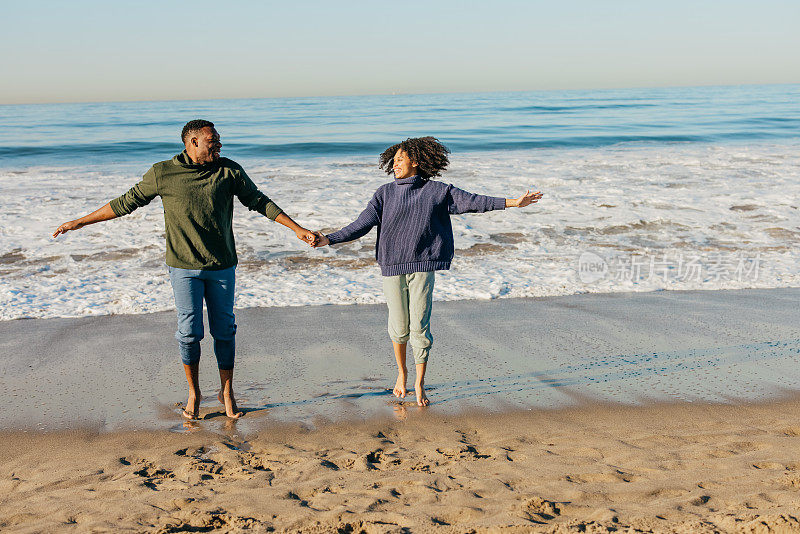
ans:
(398, 339)
(190, 352)
(225, 351)
(420, 354)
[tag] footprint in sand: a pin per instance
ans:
(747, 446)
(667, 493)
(421, 467)
(700, 501)
(462, 452)
(588, 478)
(303, 502)
(329, 465)
(153, 475)
(384, 440)
(792, 481)
(769, 465)
(217, 520)
(538, 510)
(231, 462)
(248, 460)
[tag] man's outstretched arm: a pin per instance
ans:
(139, 195)
(249, 195)
(306, 235)
(103, 214)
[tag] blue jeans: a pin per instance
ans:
(190, 288)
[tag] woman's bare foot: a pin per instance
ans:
(192, 409)
(422, 399)
(191, 426)
(400, 411)
(400, 386)
(228, 400)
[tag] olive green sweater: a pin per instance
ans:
(198, 208)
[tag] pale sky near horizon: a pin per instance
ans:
(92, 50)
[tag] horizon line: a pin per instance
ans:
(357, 95)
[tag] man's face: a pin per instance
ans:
(206, 145)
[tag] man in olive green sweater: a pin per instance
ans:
(197, 188)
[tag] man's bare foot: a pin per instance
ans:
(192, 409)
(422, 399)
(231, 410)
(400, 386)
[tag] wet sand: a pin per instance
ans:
(335, 362)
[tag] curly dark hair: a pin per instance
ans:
(194, 126)
(427, 152)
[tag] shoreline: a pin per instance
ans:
(499, 298)
(334, 362)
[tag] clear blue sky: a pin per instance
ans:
(92, 50)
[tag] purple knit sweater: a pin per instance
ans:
(413, 220)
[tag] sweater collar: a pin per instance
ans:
(183, 160)
(410, 180)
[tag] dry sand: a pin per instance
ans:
(665, 468)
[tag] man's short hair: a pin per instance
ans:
(194, 126)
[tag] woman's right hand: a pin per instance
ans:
(321, 240)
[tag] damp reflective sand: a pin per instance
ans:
(328, 363)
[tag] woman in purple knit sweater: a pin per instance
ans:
(415, 239)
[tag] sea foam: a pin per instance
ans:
(644, 217)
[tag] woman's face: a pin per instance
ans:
(402, 166)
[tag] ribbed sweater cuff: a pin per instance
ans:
(117, 208)
(499, 203)
(271, 211)
(335, 238)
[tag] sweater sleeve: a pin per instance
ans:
(361, 226)
(248, 194)
(460, 201)
(137, 196)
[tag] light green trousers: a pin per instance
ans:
(410, 298)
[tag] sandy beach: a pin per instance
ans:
(649, 412)
(670, 468)
(608, 195)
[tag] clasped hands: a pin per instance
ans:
(315, 239)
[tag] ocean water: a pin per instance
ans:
(645, 189)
